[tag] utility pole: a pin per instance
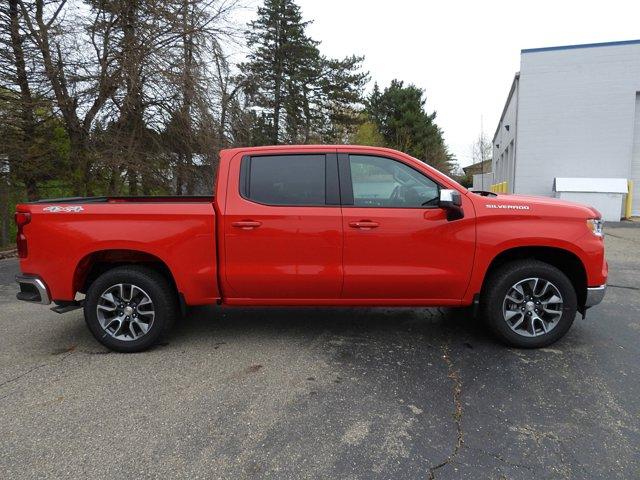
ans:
(481, 148)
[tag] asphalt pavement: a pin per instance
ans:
(325, 393)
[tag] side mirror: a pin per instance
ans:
(451, 201)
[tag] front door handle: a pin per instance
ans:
(246, 224)
(364, 225)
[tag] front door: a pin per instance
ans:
(398, 244)
(283, 229)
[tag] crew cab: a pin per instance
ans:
(314, 225)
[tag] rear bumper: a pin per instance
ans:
(595, 295)
(32, 289)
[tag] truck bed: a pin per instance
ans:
(67, 237)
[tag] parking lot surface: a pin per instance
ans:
(325, 393)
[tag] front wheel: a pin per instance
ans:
(129, 308)
(529, 303)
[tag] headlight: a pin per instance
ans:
(595, 225)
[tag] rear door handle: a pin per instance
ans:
(364, 224)
(246, 224)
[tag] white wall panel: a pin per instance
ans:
(576, 114)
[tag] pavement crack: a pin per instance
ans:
(454, 375)
(623, 286)
(632, 240)
(500, 458)
(33, 369)
(23, 374)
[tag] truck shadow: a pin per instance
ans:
(433, 324)
(212, 326)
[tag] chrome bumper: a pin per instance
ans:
(595, 295)
(32, 289)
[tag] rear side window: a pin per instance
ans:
(285, 180)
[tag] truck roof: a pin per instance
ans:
(288, 148)
(228, 153)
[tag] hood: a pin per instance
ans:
(529, 204)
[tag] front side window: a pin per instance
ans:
(292, 180)
(382, 182)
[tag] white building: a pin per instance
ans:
(572, 111)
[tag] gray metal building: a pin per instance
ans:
(572, 111)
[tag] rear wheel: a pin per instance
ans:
(129, 308)
(529, 303)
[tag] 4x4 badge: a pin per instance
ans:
(56, 209)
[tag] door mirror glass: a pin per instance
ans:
(450, 199)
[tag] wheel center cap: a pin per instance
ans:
(128, 311)
(530, 306)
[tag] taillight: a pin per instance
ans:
(22, 218)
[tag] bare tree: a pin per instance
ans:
(201, 26)
(135, 96)
(27, 160)
(481, 152)
(229, 88)
(81, 86)
(28, 153)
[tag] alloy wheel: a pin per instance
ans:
(125, 311)
(532, 307)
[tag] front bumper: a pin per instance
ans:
(595, 295)
(32, 289)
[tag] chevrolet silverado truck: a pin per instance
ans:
(310, 226)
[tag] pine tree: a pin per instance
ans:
(304, 95)
(400, 115)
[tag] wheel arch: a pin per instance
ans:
(94, 264)
(564, 260)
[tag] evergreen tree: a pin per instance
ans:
(400, 115)
(341, 83)
(367, 133)
(305, 96)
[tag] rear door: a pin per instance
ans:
(398, 244)
(283, 228)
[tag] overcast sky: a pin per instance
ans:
(462, 53)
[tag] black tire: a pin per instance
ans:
(498, 285)
(160, 292)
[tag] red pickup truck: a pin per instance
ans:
(314, 225)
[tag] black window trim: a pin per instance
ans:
(332, 180)
(346, 183)
(331, 186)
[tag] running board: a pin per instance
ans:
(64, 307)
